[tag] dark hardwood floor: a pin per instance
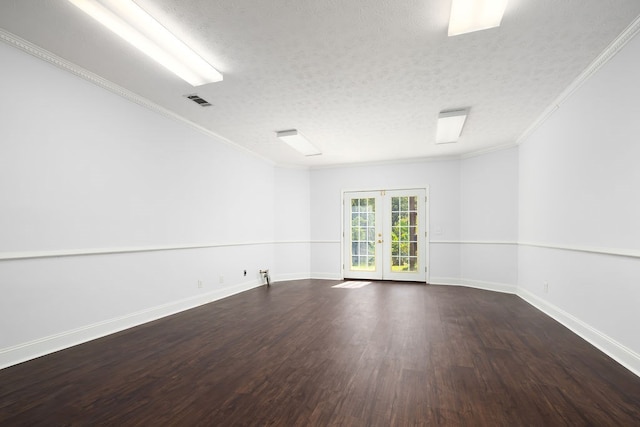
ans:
(302, 353)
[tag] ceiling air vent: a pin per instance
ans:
(202, 102)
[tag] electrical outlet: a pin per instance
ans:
(221, 279)
(199, 284)
(546, 287)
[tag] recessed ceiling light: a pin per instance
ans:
(298, 141)
(475, 15)
(129, 21)
(450, 125)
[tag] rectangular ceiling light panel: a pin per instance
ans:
(296, 140)
(450, 125)
(129, 21)
(475, 15)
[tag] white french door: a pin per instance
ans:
(385, 235)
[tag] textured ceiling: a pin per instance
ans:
(363, 79)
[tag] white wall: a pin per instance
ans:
(473, 215)
(292, 226)
(489, 220)
(83, 170)
(580, 208)
(443, 179)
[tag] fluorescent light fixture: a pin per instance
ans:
(296, 140)
(475, 15)
(450, 125)
(129, 21)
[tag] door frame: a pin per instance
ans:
(427, 203)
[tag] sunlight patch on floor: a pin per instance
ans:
(351, 285)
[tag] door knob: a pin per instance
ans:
(380, 241)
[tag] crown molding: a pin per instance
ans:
(488, 150)
(611, 50)
(43, 54)
(389, 162)
(614, 47)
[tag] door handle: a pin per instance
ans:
(380, 241)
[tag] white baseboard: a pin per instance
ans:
(289, 276)
(623, 355)
(30, 350)
(326, 276)
(477, 284)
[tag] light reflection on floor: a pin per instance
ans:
(351, 285)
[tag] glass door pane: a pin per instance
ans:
(363, 234)
(404, 238)
(362, 238)
(384, 235)
(405, 226)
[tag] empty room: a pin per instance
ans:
(357, 213)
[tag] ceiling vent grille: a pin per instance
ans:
(202, 102)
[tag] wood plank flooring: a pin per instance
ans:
(303, 353)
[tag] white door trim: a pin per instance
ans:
(425, 258)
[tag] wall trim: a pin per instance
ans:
(326, 276)
(611, 50)
(11, 256)
(629, 253)
(39, 347)
(617, 351)
(43, 54)
(475, 242)
(289, 276)
(477, 284)
(30, 350)
(621, 354)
